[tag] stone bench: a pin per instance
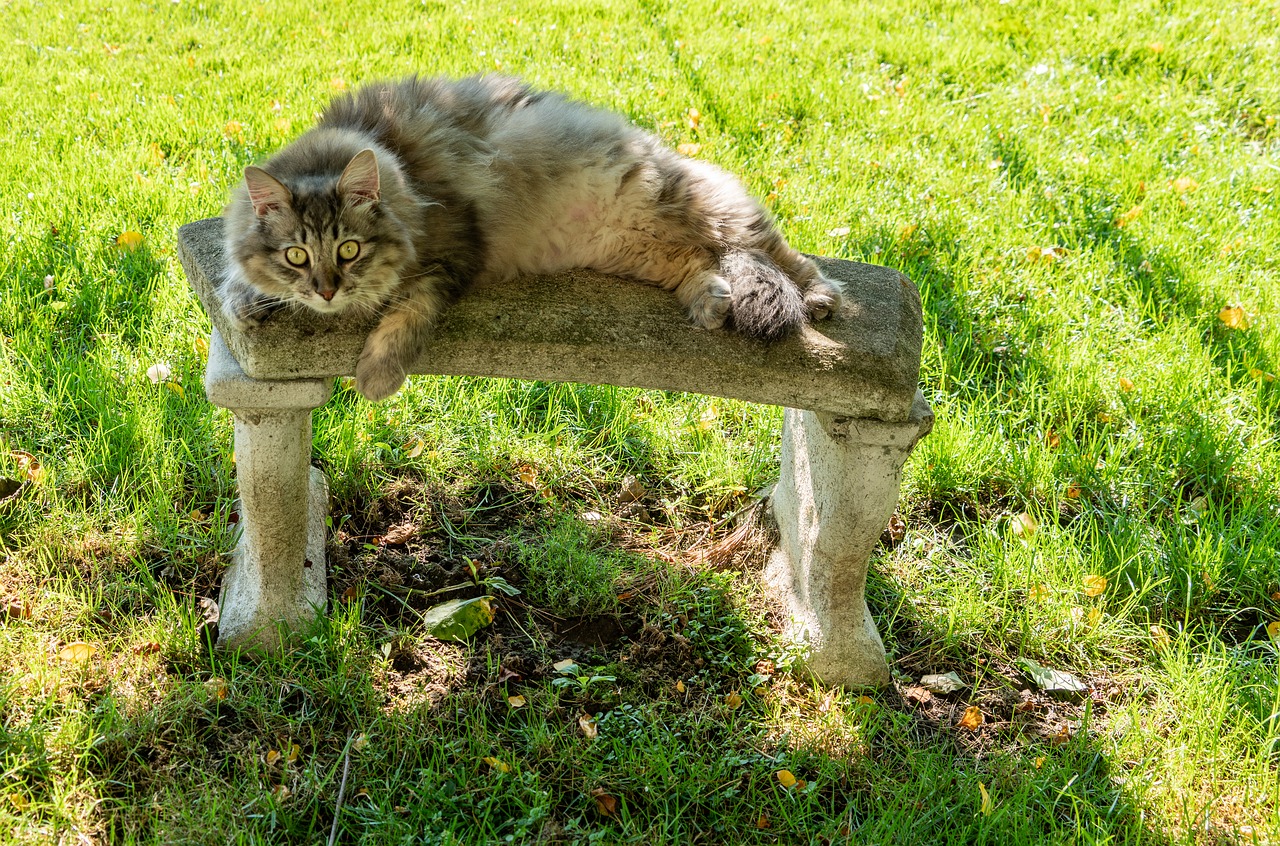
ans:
(849, 384)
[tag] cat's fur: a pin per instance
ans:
(442, 182)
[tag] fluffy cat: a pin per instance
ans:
(406, 191)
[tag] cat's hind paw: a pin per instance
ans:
(712, 302)
(822, 298)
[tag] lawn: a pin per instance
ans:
(1085, 194)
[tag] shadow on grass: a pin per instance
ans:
(692, 730)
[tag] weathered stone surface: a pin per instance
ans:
(838, 486)
(585, 327)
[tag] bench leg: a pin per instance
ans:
(837, 489)
(277, 573)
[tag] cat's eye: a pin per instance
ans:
(296, 256)
(348, 250)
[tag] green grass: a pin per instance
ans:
(1078, 190)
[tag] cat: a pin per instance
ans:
(404, 192)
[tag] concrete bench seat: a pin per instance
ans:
(849, 384)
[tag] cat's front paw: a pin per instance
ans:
(822, 298)
(378, 376)
(248, 309)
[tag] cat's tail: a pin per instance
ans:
(766, 302)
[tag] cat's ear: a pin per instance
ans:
(359, 180)
(265, 191)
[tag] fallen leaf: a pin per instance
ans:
(589, 727)
(1095, 585)
(217, 688)
(209, 613)
(762, 822)
(1162, 641)
(694, 118)
(864, 700)
(707, 420)
(528, 475)
(1126, 384)
(415, 447)
(281, 792)
(1183, 184)
(516, 701)
(360, 741)
(1038, 593)
(680, 686)
(295, 751)
(28, 466)
(786, 779)
(565, 665)
(19, 801)
(497, 764)
(1039, 762)
(985, 808)
(1129, 217)
(733, 700)
(129, 240)
(838, 232)
(1073, 491)
(458, 619)
(605, 804)
(1052, 440)
(972, 718)
(159, 372)
(401, 534)
(1062, 736)
(689, 150)
(1053, 682)
(76, 653)
(272, 757)
(942, 683)
(148, 648)
(1273, 629)
(1234, 317)
(1024, 525)
(1262, 374)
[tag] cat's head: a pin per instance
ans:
(321, 240)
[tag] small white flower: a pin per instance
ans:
(48, 282)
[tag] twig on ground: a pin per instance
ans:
(342, 787)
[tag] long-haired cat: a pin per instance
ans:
(406, 191)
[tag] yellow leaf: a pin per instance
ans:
(1273, 629)
(28, 466)
(985, 809)
(176, 388)
(76, 653)
(1024, 525)
(1039, 762)
(689, 150)
(587, 723)
(972, 718)
(1063, 735)
(680, 686)
(865, 700)
(1094, 616)
(907, 231)
(1095, 585)
(1129, 217)
(360, 741)
(1183, 184)
(707, 419)
(272, 757)
(337, 84)
(527, 474)
(1161, 638)
(733, 700)
(415, 448)
(1262, 374)
(516, 701)
(197, 516)
(1038, 593)
(201, 347)
(1052, 439)
(786, 779)
(129, 240)
(294, 752)
(497, 764)
(1073, 491)
(1126, 384)
(1234, 317)
(233, 129)
(694, 118)
(762, 822)
(19, 801)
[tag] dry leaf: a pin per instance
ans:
(19, 801)
(1095, 585)
(1262, 374)
(1129, 217)
(838, 232)
(217, 688)
(1062, 736)
(605, 804)
(414, 448)
(680, 686)
(1273, 629)
(76, 653)
(497, 764)
(565, 665)
(587, 723)
(1052, 440)
(398, 535)
(28, 466)
(272, 757)
(1183, 184)
(281, 792)
(1161, 638)
(864, 700)
(360, 741)
(1038, 593)
(1024, 525)
(786, 779)
(528, 475)
(295, 751)
(1126, 384)
(733, 700)
(148, 648)
(1073, 491)
(972, 718)
(516, 701)
(689, 150)
(985, 808)
(762, 822)
(18, 609)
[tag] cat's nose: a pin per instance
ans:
(328, 295)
